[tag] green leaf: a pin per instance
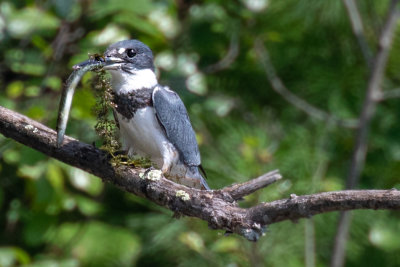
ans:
(99, 244)
(42, 193)
(11, 156)
(55, 263)
(54, 176)
(110, 34)
(193, 240)
(36, 228)
(31, 157)
(87, 206)
(85, 181)
(139, 24)
(385, 237)
(83, 104)
(13, 256)
(32, 171)
(226, 244)
(29, 19)
(102, 8)
(32, 91)
(15, 89)
(53, 82)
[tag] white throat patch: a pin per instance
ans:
(124, 82)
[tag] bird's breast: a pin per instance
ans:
(143, 135)
(127, 104)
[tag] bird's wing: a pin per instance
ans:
(172, 115)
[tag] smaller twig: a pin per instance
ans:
(237, 191)
(358, 30)
(228, 59)
(390, 94)
(293, 99)
(309, 244)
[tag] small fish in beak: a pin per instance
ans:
(94, 63)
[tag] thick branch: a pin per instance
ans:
(215, 207)
(298, 207)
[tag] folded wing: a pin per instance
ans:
(173, 116)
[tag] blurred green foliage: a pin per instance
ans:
(55, 215)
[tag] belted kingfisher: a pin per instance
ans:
(153, 120)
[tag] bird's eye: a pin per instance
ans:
(131, 53)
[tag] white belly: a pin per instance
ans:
(143, 136)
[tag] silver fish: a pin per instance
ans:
(69, 90)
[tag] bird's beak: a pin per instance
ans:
(112, 59)
(112, 63)
(106, 62)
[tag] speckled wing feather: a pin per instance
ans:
(172, 114)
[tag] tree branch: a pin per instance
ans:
(293, 99)
(298, 207)
(389, 94)
(237, 191)
(358, 30)
(374, 91)
(228, 59)
(217, 207)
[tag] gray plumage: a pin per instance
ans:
(172, 115)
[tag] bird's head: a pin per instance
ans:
(131, 66)
(128, 56)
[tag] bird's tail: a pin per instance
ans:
(192, 177)
(195, 174)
